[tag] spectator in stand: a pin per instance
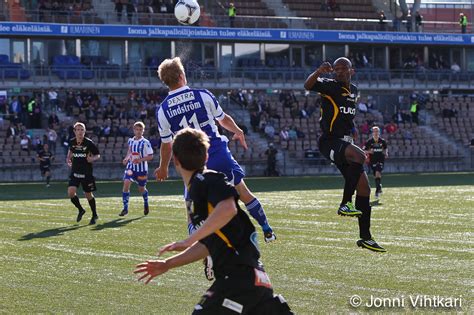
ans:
(365, 128)
(15, 107)
(130, 11)
(414, 111)
(269, 130)
(25, 143)
(12, 131)
(53, 99)
(292, 134)
(53, 120)
(398, 117)
(449, 112)
(254, 121)
(332, 5)
(382, 23)
(455, 68)
(363, 107)
(408, 21)
(418, 22)
(284, 135)
(232, 11)
(119, 9)
(36, 143)
(52, 138)
(463, 22)
(271, 154)
(391, 127)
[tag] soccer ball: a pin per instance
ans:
(187, 12)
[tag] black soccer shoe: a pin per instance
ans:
(146, 209)
(349, 210)
(372, 245)
(123, 213)
(80, 214)
(93, 220)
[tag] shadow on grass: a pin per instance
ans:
(117, 223)
(50, 232)
(375, 203)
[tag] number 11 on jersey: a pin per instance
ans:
(193, 122)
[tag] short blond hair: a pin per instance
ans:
(139, 123)
(170, 70)
(79, 124)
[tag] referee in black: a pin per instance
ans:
(338, 110)
(82, 153)
(225, 233)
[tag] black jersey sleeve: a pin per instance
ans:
(93, 148)
(219, 189)
(366, 145)
(322, 85)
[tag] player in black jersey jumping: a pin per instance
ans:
(45, 157)
(338, 110)
(224, 232)
(376, 148)
(82, 153)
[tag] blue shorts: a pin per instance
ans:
(138, 177)
(222, 161)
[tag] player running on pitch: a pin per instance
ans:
(138, 154)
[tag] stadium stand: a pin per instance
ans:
(11, 70)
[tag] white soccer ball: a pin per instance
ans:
(187, 12)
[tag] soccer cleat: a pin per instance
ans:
(380, 190)
(80, 214)
(269, 236)
(372, 245)
(349, 210)
(123, 213)
(377, 194)
(48, 185)
(93, 220)
(146, 209)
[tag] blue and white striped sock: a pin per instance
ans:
(256, 211)
(125, 197)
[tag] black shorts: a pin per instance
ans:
(376, 167)
(88, 183)
(44, 170)
(334, 149)
(245, 292)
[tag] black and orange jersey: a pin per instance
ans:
(234, 244)
(338, 107)
(378, 146)
(46, 158)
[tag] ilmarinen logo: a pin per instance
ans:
(282, 34)
(64, 29)
(472, 39)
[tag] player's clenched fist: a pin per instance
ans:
(325, 68)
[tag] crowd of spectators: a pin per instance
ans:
(64, 8)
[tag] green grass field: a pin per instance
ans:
(49, 264)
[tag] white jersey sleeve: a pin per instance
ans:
(164, 127)
(212, 105)
(147, 149)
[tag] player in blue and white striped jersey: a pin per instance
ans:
(199, 109)
(136, 161)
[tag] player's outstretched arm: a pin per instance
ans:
(229, 124)
(222, 214)
(311, 80)
(153, 268)
(161, 173)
